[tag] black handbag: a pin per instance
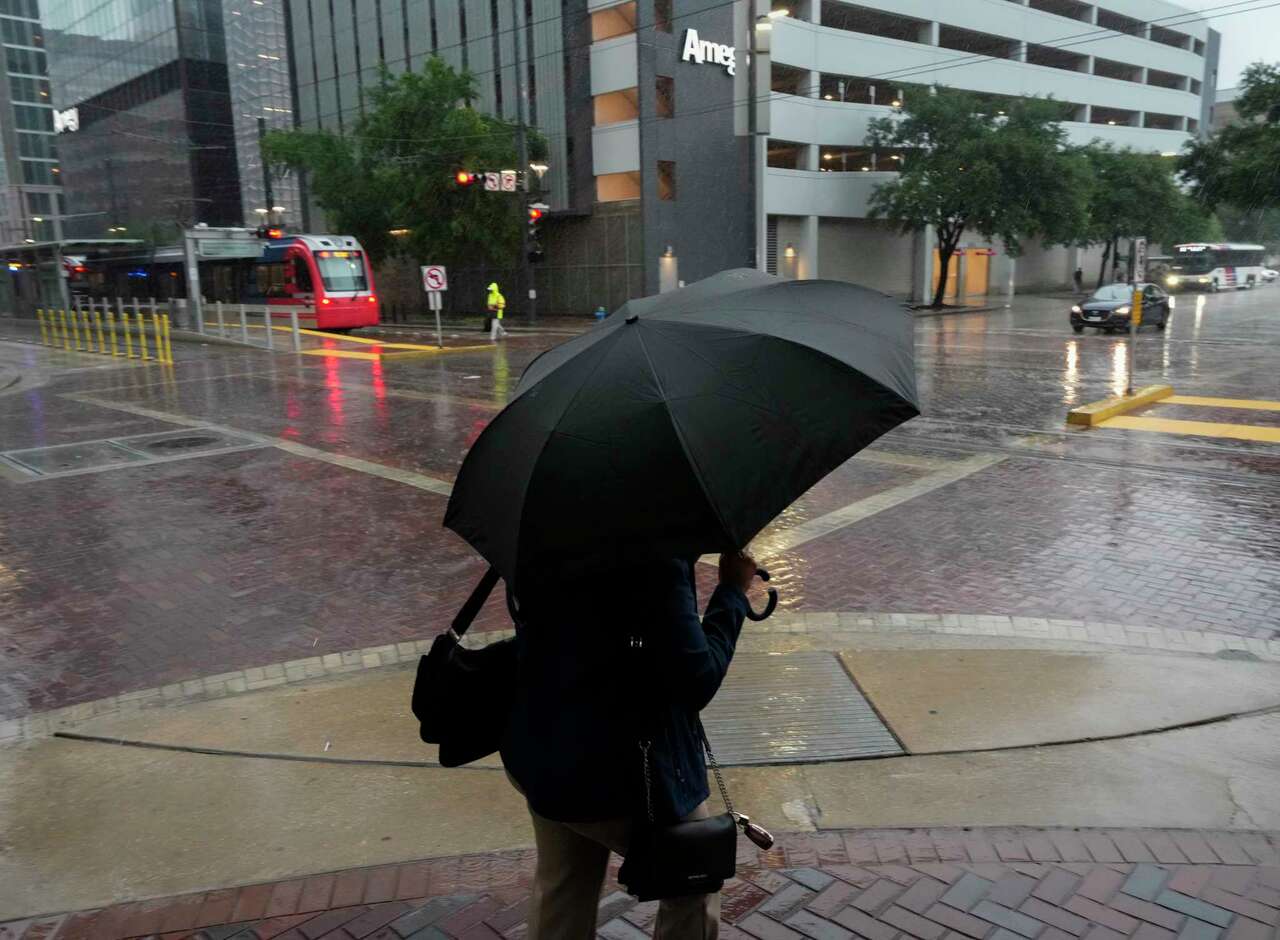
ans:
(693, 857)
(463, 697)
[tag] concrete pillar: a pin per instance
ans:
(922, 266)
(812, 158)
(1087, 65)
(930, 32)
(812, 86)
(760, 144)
(815, 12)
(808, 249)
(1020, 51)
(1092, 16)
(961, 264)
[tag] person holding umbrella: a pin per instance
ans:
(678, 427)
(571, 743)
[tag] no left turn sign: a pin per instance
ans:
(434, 277)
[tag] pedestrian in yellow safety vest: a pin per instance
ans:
(496, 305)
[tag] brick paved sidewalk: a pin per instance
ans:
(1023, 884)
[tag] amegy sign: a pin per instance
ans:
(702, 51)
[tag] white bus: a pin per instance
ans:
(1228, 266)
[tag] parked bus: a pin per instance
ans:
(327, 276)
(1228, 266)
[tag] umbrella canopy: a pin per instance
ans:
(684, 423)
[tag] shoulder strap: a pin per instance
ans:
(479, 594)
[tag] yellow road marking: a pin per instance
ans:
(411, 352)
(1251, 404)
(1239, 432)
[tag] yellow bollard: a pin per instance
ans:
(75, 331)
(66, 334)
(168, 341)
(128, 339)
(111, 331)
(44, 336)
(87, 322)
(156, 337)
(142, 333)
(97, 322)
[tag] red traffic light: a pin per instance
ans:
(464, 178)
(534, 214)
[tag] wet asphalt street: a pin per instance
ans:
(259, 508)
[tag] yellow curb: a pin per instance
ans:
(1094, 414)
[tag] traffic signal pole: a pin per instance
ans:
(522, 154)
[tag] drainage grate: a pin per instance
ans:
(183, 443)
(137, 450)
(793, 708)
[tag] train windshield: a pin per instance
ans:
(342, 270)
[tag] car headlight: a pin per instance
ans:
(1076, 309)
(1204, 280)
(1171, 280)
(1123, 310)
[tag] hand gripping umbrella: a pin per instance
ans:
(683, 424)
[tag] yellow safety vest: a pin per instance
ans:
(497, 302)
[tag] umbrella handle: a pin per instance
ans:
(769, 605)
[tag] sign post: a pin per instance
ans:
(1138, 272)
(435, 280)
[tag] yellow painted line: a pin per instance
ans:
(1250, 404)
(1239, 432)
(1099, 411)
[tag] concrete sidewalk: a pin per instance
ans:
(325, 773)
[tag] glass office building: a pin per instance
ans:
(29, 173)
(149, 143)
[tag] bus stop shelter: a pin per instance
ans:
(38, 274)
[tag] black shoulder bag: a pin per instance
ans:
(462, 697)
(694, 857)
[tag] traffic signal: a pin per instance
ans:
(465, 178)
(536, 211)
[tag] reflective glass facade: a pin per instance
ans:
(29, 173)
(155, 149)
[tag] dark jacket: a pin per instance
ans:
(588, 694)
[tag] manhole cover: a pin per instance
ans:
(65, 458)
(793, 708)
(181, 443)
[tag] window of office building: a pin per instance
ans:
(615, 21)
(32, 90)
(26, 61)
(667, 180)
(35, 173)
(37, 146)
(29, 118)
(21, 33)
(25, 8)
(665, 96)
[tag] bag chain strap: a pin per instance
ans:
(715, 769)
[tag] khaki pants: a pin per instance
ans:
(495, 329)
(572, 862)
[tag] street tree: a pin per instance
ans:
(1240, 164)
(1135, 195)
(390, 180)
(998, 168)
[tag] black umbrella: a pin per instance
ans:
(683, 423)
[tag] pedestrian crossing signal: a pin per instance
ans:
(465, 177)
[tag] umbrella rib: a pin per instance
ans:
(680, 437)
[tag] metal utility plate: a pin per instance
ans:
(793, 708)
(135, 450)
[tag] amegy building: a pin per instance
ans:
(688, 136)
